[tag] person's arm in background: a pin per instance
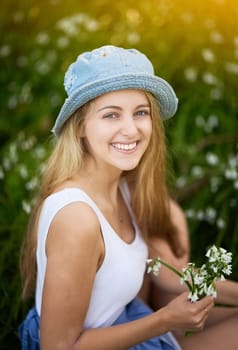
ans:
(159, 290)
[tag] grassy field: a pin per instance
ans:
(192, 44)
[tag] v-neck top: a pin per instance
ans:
(120, 275)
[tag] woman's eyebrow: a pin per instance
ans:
(106, 107)
(118, 107)
(143, 106)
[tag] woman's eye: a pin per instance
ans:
(143, 113)
(110, 115)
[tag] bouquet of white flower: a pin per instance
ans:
(200, 281)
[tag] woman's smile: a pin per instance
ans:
(125, 146)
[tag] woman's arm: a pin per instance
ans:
(167, 281)
(179, 314)
(227, 293)
(74, 250)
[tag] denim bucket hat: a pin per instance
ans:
(110, 68)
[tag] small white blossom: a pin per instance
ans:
(133, 38)
(91, 25)
(198, 279)
(212, 158)
(210, 214)
(193, 297)
(181, 181)
(5, 50)
(154, 266)
(32, 184)
(62, 42)
(212, 251)
(6, 163)
(211, 290)
(42, 67)
(231, 67)
(213, 121)
(197, 171)
(216, 37)
(227, 270)
(235, 39)
(220, 223)
(42, 38)
(26, 206)
(12, 101)
(190, 213)
(208, 55)
(23, 171)
(191, 74)
(209, 78)
(231, 174)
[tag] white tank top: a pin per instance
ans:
(120, 276)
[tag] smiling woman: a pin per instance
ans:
(103, 197)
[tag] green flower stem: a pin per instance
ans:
(192, 279)
(177, 273)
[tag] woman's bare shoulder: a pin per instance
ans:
(75, 224)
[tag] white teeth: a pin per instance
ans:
(125, 147)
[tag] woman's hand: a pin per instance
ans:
(186, 316)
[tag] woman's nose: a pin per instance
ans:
(128, 127)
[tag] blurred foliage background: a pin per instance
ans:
(192, 44)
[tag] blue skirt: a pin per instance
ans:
(29, 329)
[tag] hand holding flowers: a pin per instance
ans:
(200, 281)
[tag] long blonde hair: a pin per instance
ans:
(150, 199)
(150, 195)
(64, 162)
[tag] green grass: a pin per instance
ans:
(194, 45)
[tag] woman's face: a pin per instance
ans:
(118, 128)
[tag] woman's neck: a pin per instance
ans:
(99, 181)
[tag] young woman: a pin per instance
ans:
(102, 199)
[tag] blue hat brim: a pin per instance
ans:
(160, 88)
